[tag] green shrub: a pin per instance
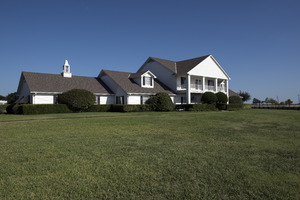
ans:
(99, 108)
(203, 107)
(31, 109)
(14, 109)
(145, 108)
(161, 102)
(222, 98)
(235, 100)
(183, 107)
(77, 99)
(232, 107)
(3, 109)
(209, 98)
(222, 106)
(130, 108)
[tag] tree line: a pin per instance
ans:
(10, 98)
(272, 101)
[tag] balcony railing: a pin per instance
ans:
(210, 87)
(197, 87)
(221, 89)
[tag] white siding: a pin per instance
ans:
(134, 99)
(43, 99)
(107, 99)
(173, 99)
(113, 86)
(163, 74)
(177, 99)
(208, 68)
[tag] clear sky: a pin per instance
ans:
(257, 42)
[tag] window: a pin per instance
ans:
(197, 84)
(144, 99)
(97, 101)
(183, 100)
(147, 81)
(183, 82)
(119, 99)
(210, 83)
(55, 99)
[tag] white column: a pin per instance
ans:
(203, 83)
(227, 89)
(188, 90)
(33, 98)
(216, 84)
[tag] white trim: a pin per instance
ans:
(219, 66)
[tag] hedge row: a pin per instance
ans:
(196, 107)
(232, 107)
(119, 108)
(31, 109)
(208, 107)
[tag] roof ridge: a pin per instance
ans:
(56, 74)
(193, 58)
(162, 59)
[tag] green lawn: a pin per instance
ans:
(248, 154)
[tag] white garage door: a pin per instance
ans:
(43, 99)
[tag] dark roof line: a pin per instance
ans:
(43, 82)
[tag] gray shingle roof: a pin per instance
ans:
(186, 65)
(180, 67)
(232, 93)
(167, 63)
(42, 82)
(123, 80)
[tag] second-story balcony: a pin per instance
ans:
(196, 85)
(199, 88)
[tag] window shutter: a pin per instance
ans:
(144, 80)
(151, 79)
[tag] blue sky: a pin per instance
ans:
(256, 42)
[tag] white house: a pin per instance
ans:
(185, 81)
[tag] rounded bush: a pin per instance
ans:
(209, 98)
(235, 100)
(77, 99)
(161, 102)
(222, 98)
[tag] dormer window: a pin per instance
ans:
(143, 79)
(147, 81)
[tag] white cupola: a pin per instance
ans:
(66, 70)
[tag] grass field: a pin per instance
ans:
(248, 154)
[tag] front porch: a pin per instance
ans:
(199, 85)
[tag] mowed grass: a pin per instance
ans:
(249, 154)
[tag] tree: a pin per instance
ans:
(11, 98)
(256, 101)
(161, 102)
(235, 100)
(245, 96)
(2, 97)
(209, 98)
(272, 101)
(77, 99)
(288, 102)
